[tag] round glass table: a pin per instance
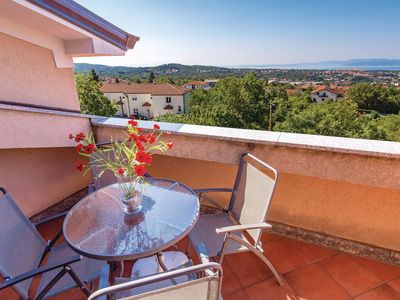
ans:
(97, 226)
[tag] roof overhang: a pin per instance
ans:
(65, 27)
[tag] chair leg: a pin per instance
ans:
(78, 281)
(259, 254)
(51, 284)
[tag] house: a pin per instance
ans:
(147, 99)
(206, 84)
(324, 93)
(39, 104)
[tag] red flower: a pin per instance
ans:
(133, 137)
(169, 134)
(133, 123)
(70, 136)
(79, 166)
(90, 148)
(140, 170)
(79, 137)
(156, 126)
(170, 144)
(120, 171)
(142, 138)
(139, 145)
(139, 130)
(141, 156)
(150, 137)
(79, 148)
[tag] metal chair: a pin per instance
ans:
(22, 251)
(239, 227)
(206, 287)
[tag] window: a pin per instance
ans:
(134, 98)
(314, 99)
(168, 99)
(179, 108)
(135, 111)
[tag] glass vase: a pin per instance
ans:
(132, 195)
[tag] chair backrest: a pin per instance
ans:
(21, 246)
(205, 288)
(254, 187)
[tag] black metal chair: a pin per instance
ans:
(23, 250)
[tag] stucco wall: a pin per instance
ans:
(39, 178)
(350, 196)
(29, 75)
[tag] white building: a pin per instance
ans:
(147, 99)
(206, 84)
(323, 93)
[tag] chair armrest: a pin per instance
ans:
(213, 190)
(201, 193)
(40, 270)
(234, 228)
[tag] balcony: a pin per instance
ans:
(334, 213)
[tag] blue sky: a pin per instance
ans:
(246, 32)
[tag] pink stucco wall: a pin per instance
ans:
(37, 160)
(29, 75)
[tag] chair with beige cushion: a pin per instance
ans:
(179, 282)
(239, 227)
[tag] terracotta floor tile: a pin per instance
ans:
(268, 237)
(271, 290)
(248, 268)
(230, 284)
(384, 292)
(285, 256)
(237, 296)
(310, 282)
(352, 276)
(383, 271)
(395, 284)
(313, 252)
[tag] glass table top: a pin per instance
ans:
(97, 226)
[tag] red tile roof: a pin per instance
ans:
(336, 90)
(144, 88)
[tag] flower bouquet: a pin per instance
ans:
(127, 159)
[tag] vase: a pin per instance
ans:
(132, 195)
(132, 203)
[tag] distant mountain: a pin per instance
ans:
(204, 72)
(361, 63)
(175, 70)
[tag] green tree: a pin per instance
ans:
(92, 100)
(333, 118)
(151, 78)
(234, 102)
(94, 75)
(375, 97)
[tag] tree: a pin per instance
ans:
(234, 102)
(92, 100)
(94, 75)
(116, 80)
(152, 78)
(375, 97)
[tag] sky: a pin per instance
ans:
(251, 32)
